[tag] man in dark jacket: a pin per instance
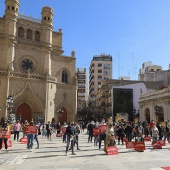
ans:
(90, 129)
(128, 131)
(70, 132)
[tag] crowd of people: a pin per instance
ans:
(115, 133)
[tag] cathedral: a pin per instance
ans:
(33, 69)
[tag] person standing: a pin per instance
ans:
(120, 133)
(110, 137)
(90, 130)
(30, 138)
(155, 133)
(4, 131)
(139, 133)
(64, 132)
(70, 132)
(48, 128)
(24, 128)
(44, 131)
(17, 129)
(102, 135)
(128, 132)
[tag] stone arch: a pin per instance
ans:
(30, 98)
(24, 112)
(147, 115)
(68, 111)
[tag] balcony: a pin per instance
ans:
(108, 104)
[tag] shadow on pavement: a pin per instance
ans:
(102, 154)
(47, 156)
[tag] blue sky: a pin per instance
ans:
(132, 31)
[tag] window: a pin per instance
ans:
(44, 18)
(13, 8)
(37, 36)
(8, 7)
(99, 65)
(27, 64)
(64, 77)
(48, 18)
(106, 66)
(21, 32)
(29, 34)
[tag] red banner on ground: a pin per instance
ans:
(147, 139)
(5, 134)
(96, 131)
(139, 146)
(9, 143)
(130, 145)
(102, 128)
(63, 130)
(31, 130)
(156, 145)
(124, 139)
(23, 140)
(166, 168)
(58, 135)
(162, 142)
(112, 150)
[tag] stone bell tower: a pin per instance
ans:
(47, 28)
(9, 41)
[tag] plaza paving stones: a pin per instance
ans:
(51, 156)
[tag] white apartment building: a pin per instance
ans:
(82, 88)
(100, 69)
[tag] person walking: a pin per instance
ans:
(36, 137)
(70, 132)
(77, 132)
(4, 131)
(17, 129)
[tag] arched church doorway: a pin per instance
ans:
(147, 115)
(63, 116)
(24, 112)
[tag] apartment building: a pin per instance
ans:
(81, 88)
(100, 69)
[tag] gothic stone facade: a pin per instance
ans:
(33, 68)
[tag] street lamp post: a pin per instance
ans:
(156, 111)
(60, 111)
(10, 101)
(134, 113)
